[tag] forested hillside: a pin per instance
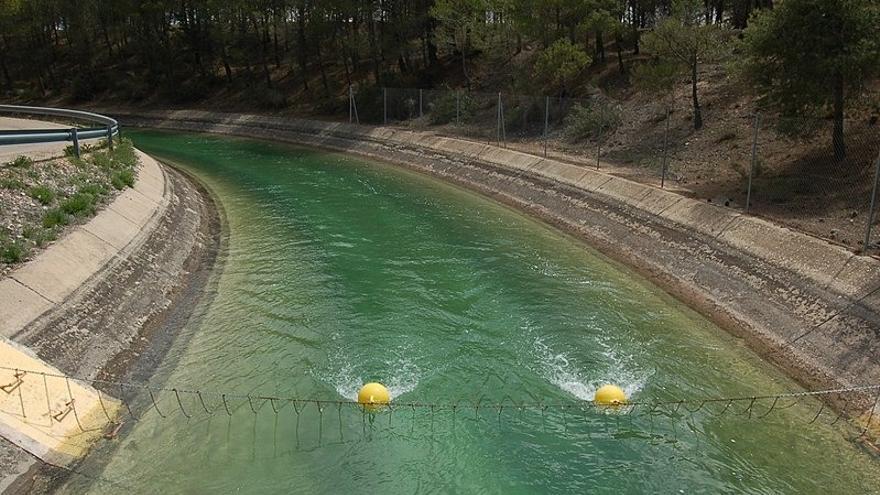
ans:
(275, 53)
(710, 92)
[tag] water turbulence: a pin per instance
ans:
(489, 330)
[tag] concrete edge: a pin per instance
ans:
(56, 273)
(827, 265)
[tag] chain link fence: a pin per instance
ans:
(805, 172)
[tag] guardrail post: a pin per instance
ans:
(873, 204)
(75, 138)
(754, 161)
(110, 136)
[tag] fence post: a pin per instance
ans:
(384, 106)
(110, 137)
(350, 115)
(354, 107)
(663, 164)
(503, 126)
(873, 204)
(420, 103)
(75, 138)
(498, 120)
(753, 162)
(457, 107)
(546, 122)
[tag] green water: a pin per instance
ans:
(340, 271)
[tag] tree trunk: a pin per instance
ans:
(698, 115)
(464, 71)
(837, 138)
(619, 42)
(7, 79)
(302, 49)
(226, 67)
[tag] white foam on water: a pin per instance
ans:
(560, 370)
(403, 378)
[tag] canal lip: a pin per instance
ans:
(137, 300)
(803, 304)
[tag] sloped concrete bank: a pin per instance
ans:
(107, 300)
(808, 306)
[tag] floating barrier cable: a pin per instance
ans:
(200, 402)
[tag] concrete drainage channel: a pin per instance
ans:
(99, 303)
(810, 307)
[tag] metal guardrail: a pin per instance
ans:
(107, 127)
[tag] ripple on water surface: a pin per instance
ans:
(339, 272)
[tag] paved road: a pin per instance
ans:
(37, 151)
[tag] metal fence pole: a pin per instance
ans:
(498, 120)
(357, 119)
(873, 204)
(384, 106)
(754, 161)
(75, 138)
(663, 164)
(420, 103)
(110, 137)
(350, 115)
(546, 122)
(503, 129)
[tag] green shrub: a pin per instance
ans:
(122, 178)
(96, 189)
(123, 153)
(55, 218)
(21, 162)
(592, 121)
(79, 205)
(11, 183)
(39, 236)
(442, 109)
(42, 194)
(12, 251)
(103, 160)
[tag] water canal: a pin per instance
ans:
(339, 271)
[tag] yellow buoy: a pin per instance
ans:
(610, 395)
(373, 396)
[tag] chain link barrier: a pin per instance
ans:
(807, 172)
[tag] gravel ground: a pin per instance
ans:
(40, 201)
